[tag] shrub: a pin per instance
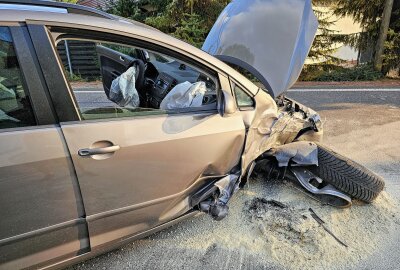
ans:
(359, 73)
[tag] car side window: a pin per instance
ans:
(15, 106)
(111, 80)
(243, 99)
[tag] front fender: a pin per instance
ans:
(277, 123)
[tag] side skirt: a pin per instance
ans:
(120, 242)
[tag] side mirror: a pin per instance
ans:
(228, 103)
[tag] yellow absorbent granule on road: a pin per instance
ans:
(289, 236)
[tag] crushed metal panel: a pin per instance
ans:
(326, 194)
(260, 129)
(227, 187)
(273, 127)
(269, 38)
(217, 207)
(302, 153)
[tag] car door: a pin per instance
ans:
(112, 64)
(41, 213)
(137, 166)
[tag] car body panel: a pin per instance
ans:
(258, 133)
(106, 230)
(116, 244)
(159, 162)
(269, 38)
(40, 201)
(134, 205)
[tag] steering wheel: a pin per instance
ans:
(139, 76)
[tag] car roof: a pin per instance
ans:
(71, 8)
(65, 14)
(62, 7)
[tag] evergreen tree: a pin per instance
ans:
(189, 20)
(326, 43)
(137, 10)
(369, 14)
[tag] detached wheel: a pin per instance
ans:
(347, 176)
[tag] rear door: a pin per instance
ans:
(42, 216)
(146, 162)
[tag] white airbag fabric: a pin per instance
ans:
(123, 91)
(184, 95)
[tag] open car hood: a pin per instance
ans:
(269, 38)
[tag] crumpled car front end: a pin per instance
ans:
(279, 122)
(270, 39)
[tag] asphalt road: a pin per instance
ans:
(327, 99)
(363, 125)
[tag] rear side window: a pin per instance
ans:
(15, 106)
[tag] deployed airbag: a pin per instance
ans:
(184, 95)
(123, 91)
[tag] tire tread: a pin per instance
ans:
(348, 176)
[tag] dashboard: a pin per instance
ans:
(161, 78)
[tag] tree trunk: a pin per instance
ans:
(380, 45)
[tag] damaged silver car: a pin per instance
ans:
(111, 130)
(270, 40)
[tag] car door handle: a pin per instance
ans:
(85, 152)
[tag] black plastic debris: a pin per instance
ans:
(216, 205)
(322, 223)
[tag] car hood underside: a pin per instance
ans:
(269, 38)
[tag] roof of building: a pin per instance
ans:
(94, 3)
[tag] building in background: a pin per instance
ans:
(94, 3)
